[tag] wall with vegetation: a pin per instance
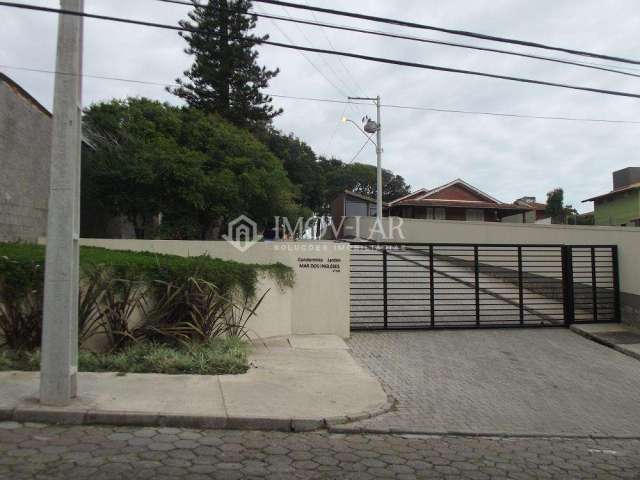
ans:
(316, 303)
(130, 296)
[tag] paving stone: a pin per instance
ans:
(502, 380)
(253, 455)
(9, 425)
(160, 446)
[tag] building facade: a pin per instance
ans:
(620, 206)
(456, 200)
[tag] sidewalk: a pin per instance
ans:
(294, 384)
(621, 337)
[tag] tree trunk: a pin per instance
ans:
(226, 67)
(139, 223)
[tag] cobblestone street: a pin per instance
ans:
(33, 451)
(521, 381)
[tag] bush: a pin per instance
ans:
(219, 356)
(193, 311)
(21, 298)
(186, 299)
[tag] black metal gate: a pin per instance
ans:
(403, 286)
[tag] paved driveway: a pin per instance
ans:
(548, 381)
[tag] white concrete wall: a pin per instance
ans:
(318, 303)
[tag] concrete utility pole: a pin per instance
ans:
(59, 365)
(371, 127)
(379, 155)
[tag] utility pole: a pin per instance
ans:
(379, 159)
(59, 364)
(370, 127)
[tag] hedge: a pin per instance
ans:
(22, 266)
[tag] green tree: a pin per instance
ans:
(225, 77)
(360, 178)
(556, 208)
(196, 169)
(301, 164)
(135, 160)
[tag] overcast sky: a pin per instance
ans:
(506, 157)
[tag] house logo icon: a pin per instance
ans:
(242, 233)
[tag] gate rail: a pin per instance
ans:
(456, 285)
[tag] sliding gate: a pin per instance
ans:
(403, 286)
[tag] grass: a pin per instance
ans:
(220, 356)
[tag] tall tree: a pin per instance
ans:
(225, 77)
(198, 170)
(360, 178)
(301, 164)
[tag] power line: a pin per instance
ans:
(359, 89)
(322, 57)
(343, 102)
(261, 14)
(330, 52)
(469, 112)
(390, 61)
(322, 25)
(464, 33)
(605, 68)
(315, 67)
(361, 149)
(86, 75)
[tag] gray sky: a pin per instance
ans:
(506, 157)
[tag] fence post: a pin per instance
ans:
(520, 286)
(594, 284)
(431, 288)
(477, 278)
(567, 285)
(384, 285)
(616, 284)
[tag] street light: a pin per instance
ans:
(368, 137)
(372, 127)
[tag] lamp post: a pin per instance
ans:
(373, 127)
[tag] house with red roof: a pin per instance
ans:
(456, 200)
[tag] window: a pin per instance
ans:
(474, 215)
(429, 215)
(423, 213)
(439, 213)
(407, 212)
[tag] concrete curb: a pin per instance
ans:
(348, 430)
(606, 343)
(66, 416)
(380, 409)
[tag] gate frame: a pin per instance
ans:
(568, 297)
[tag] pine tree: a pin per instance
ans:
(225, 77)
